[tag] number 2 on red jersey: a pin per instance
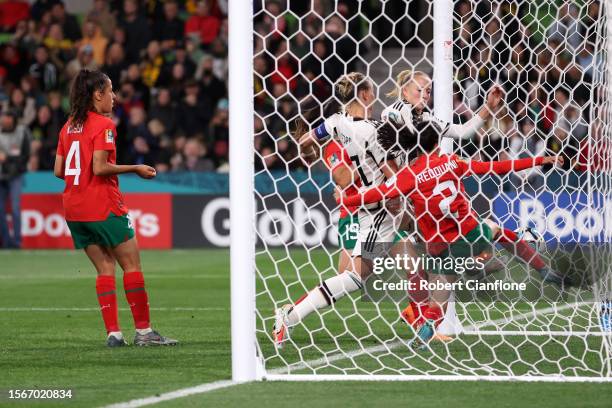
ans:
(445, 203)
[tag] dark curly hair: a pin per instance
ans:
(411, 142)
(429, 133)
(81, 94)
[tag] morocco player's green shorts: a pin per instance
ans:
(111, 232)
(472, 244)
(348, 230)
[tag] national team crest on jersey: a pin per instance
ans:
(110, 137)
(333, 160)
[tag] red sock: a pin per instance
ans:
(107, 297)
(133, 283)
(421, 308)
(434, 312)
(510, 241)
(419, 299)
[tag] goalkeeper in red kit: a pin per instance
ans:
(94, 208)
(444, 214)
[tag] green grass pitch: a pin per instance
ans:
(52, 337)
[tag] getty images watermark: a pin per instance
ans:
(477, 272)
(448, 265)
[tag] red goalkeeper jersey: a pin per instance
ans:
(88, 197)
(334, 156)
(433, 183)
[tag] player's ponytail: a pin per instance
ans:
(311, 114)
(402, 79)
(348, 87)
(81, 94)
(409, 142)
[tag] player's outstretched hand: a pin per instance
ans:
(558, 160)
(146, 172)
(494, 98)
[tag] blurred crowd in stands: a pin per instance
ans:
(551, 78)
(168, 63)
(544, 57)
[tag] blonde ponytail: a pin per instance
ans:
(402, 79)
(349, 85)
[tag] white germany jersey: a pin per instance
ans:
(358, 136)
(401, 112)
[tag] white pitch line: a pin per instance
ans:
(276, 374)
(184, 392)
(558, 333)
(404, 377)
(393, 345)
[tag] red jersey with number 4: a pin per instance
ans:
(433, 183)
(88, 197)
(335, 155)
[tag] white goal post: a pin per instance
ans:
(283, 219)
(242, 209)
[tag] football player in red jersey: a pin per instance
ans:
(94, 208)
(341, 167)
(444, 214)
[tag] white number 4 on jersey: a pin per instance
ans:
(74, 153)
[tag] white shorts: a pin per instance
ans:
(375, 226)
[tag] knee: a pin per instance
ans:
(131, 265)
(106, 270)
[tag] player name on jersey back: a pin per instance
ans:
(437, 171)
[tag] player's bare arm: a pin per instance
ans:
(101, 167)
(343, 176)
(58, 168)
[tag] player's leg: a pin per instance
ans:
(104, 262)
(441, 274)
(128, 256)
(345, 261)
(405, 243)
(4, 230)
(510, 241)
(15, 187)
(331, 289)
(434, 313)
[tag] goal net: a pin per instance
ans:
(552, 60)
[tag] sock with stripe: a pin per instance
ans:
(521, 248)
(301, 298)
(133, 283)
(324, 295)
(107, 298)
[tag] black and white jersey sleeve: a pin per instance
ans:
(358, 136)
